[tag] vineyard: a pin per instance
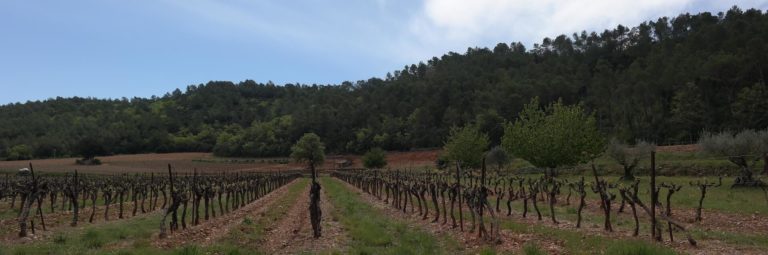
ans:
(455, 210)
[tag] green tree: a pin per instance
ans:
(749, 108)
(20, 152)
(311, 150)
(557, 135)
(689, 111)
(499, 157)
(466, 145)
(375, 158)
(90, 147)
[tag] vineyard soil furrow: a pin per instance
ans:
(210, 231)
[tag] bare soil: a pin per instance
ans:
(293, 233)
(209, 231)
(205, 162)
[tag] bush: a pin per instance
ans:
(375, 158)
(88, 162)
(20, 152)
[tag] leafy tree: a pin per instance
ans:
(466, 145)
(375, 158)
(741, 148)
(553, 136)
(228, 145)
(689, 111)
(311, 150)
(750, 106)
(491, 123)
(499, 157)
(629, 156)
(20, 152)
(90, 147)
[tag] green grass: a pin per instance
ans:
(246, 237)
(532, 249)
(375, 233)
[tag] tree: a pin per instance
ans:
(311, 150)
(375, 158)
(492, 124)
(466, 145)
(749, 107)
(629, 156)
(742, 148)
(89, 147)
(20, 152)
(553, 136)
(689, 111)
(499, 157)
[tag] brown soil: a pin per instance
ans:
(203, 162)
(293, 233)
(209, 231)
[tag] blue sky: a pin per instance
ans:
(113, 49)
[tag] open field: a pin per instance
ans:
(206, 162)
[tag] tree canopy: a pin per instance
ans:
(553, 136)
(662, 81)
(375, 158)
(466, 145)
(309, 149)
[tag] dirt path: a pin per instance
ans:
(510, 241)
(213, 229)
(293, 233)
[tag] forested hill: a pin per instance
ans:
(663, 81)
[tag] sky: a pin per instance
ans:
(114, 49)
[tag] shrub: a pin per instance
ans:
(466, 145)
(375, 158)
(20, 152)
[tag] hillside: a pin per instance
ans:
(664, 81)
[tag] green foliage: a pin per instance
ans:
(663, 80)
(750, 106)
(89, 147)
(629, 156)
(533, 249)
(557, 135)
(466, 145)
(309, 149)
(497, 156)
(375, 158)
(20, 152)
(748, 143)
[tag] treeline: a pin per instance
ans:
(661, 81)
